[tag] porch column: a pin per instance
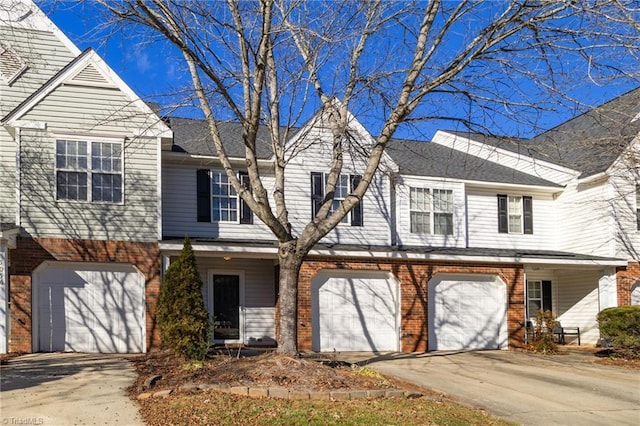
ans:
(607, 289)
(4, 297)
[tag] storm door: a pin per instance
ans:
(226, 306)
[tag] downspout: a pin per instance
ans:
(18, 138)
(524, 293)
(392, 200)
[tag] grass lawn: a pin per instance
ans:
(213, 408)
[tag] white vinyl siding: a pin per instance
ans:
(259, 294)
(576, 302)
(180, 215)
(584, 219)
(482, 211)
(180, 204)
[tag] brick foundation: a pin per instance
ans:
(30, 253)
(414, 277)
(626, 278)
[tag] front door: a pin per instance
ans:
(225, 305)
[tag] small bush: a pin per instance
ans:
(543, 341)
(621, 327)
(183, 319)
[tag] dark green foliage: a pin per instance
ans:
(183, 319)
(543, 341)
(621, 327)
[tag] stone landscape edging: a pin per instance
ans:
(285, 393)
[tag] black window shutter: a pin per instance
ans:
(356, 212)
(246, 215)
(527, 208)
(317, 192)
(546, 296)
(503, 214)
(204, 195)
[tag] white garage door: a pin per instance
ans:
(354, 311)
(88, 307)
(467, 313)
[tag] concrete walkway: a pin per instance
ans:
(524, 388)
(67, 389)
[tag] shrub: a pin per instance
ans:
(543, 341)
(183, 319)
(621, 327)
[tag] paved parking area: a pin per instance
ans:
(67, 389)
(525, 388)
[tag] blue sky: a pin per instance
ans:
(150, 72)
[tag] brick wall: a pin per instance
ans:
(414, 277)
(627, 277)
(30, 253)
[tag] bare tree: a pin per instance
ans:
(269, 62)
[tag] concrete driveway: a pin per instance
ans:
(67, 389)
(524, 388)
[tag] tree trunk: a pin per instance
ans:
(290, 263)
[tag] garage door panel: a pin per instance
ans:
(354, 313)
(467, 313)
(90, 308)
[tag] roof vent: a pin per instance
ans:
(90, 76)
(11, 64)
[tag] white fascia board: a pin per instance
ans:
(447, 139)
(484, 184)
(175, 247)
(463, 258)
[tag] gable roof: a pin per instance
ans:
(588, 143)
(429, 159)
(87, 59)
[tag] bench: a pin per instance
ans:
(561, 332)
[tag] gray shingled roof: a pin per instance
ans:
(434, 160)
(192, 136)
(588, 143)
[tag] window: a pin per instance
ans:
(515, 214)
(420, 210)
(538, 297)
(89, 171)
(442, 212)
(344, 186)
(426, 209)
(218, 201)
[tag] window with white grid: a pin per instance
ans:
(89, 171)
